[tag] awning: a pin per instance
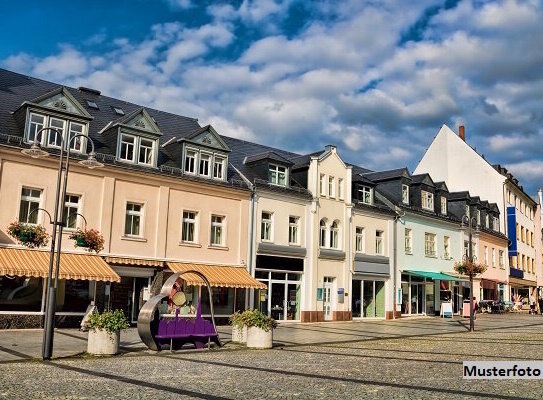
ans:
(135, 261)
(217, 275)
(25, 262)
(521, 282)
(435, 276)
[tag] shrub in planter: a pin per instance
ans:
(239, 331)
(259, 329)
(104, 331)
(88, 238)
(28, 235)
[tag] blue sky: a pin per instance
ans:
(376, 78)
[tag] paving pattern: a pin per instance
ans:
(425, 362)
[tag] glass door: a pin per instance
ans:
(368, 301)
(417, 298)
(327, 298)
(277, 300)
(357, 299)
(293, 302)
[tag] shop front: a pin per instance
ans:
(368, 286)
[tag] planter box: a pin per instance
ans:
(81, 242)
(103, 343)
(259, 339)
(239, 335)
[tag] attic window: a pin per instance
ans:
(118, 110)
(92, 104)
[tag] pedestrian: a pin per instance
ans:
(532, 304)
(475, 307)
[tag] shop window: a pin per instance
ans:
(77, 296)
(223, 300)
(20, 293)
(30, 202)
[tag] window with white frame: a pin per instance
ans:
(128, 144)
(494, 257)
(334, 235)
(429, 244)
(408, 241)
(205, 161)
(53, 138)
(487, 221)
(405, 194)
(76, 129)
(379, 245)
(30, 202)
(365, 195)
(478, 217)
(323, 231)
(293, 229)
(466, 210)
(266, 227)
(218, 167)
(427, 199)
(443, 205)
(341, 195)
(360, 240)
(217, 230)
(134, 219)
(331, 186)
(277, 175)
(190, 162)
(146, 151)
(496, 224)
(501, 259)
(188, 232)
(71, 208)
(322, 185)
(446, 247)
(36, 122)
(486, 255)
(466, 248)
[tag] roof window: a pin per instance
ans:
(92, 104)
(118, 110)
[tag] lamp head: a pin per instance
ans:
(91, 162)
(35, 151)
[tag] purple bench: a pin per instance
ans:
(181, 330)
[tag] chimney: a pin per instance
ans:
(540, 196)
(462, 132)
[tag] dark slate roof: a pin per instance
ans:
(267, 155)
(441, 186)
(381, 176)
(464, 195)
(422, 178)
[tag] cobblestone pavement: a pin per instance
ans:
(423, 366)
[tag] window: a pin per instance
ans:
(486, 255)
(190, 162)
(466, 210)
(322, 187)
(118, 110)
(379, 248)
(30, 202)
(443, 205)
(408, 239)
(188, 233)
(203, 169)
(532, 239)
(37, 122)
(217, 230)
(71, 208)
(277, 175)
(494, 257)
(446, 247)
(75, 129)
(146, 151)
(218, 168)
(340, 188)
(427, 200)
(405, 194)
(334, 235)
(293, 230)
(501, 259)
(266, 227)
(365, 195)
(430, 244)
(478, 217)
(92, 104)
(360, 244)
(127, 147)
(487, 221)
(496, 224)
(466, 248)
(522, 235)
(323, 230)
(55, 136)
(134, 218)
(331, 186)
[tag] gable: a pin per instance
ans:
(141, 120)
(207, 136)
(61, 100)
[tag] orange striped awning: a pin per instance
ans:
(135, 262)
(217, 275)
(26, 262)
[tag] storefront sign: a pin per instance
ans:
(341, 295)
(319, 294)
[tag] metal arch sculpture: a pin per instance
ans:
(150, 324)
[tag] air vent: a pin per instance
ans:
(92, 104)
(89, 90)
(118, 110)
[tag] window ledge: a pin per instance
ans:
(430, 256)
(190, 244)
(134, 238)
(409, 253)
(294, 245)
(217, 247)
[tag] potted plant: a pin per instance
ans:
(90, 239)
(28, 235)
(105, 331)
(239, 330)
(259, 329)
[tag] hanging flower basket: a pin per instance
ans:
(90, 239)
(469, 268)
(28, 235)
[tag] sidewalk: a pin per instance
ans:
(25, 344)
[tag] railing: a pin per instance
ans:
(258, 181)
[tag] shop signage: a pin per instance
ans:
(341, 295)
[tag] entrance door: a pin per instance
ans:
(293, 301)
(278, 300)
(417, 298)
(457, 304)
(327, 298)
(137, 297)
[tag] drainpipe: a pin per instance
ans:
(394, 257)
(251, 243)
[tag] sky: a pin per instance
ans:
(375, 78)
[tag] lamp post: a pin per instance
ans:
(35, 151)
(470, 222)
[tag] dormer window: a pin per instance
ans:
(365, 195)
(277, 175)
(190, 162)
(443, 205)
(128, 143)
(203, 168)
(146, 151)
(405, 194)
(203, 163)
(427, 200)
(53, 138)
(466, 212)
(478, 217)
(218, 167)
(487, 221)
(132, 145)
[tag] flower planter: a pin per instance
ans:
(103, 343)
(259, 339)
(26, 238)
(81, 242)
(239, 335)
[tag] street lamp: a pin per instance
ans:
(471, 223)
(35, 151)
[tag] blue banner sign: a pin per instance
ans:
(512, 230)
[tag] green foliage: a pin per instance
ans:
(250, 318)
(109, 321)
(28, 235)
(469, 268)
(88, 238)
